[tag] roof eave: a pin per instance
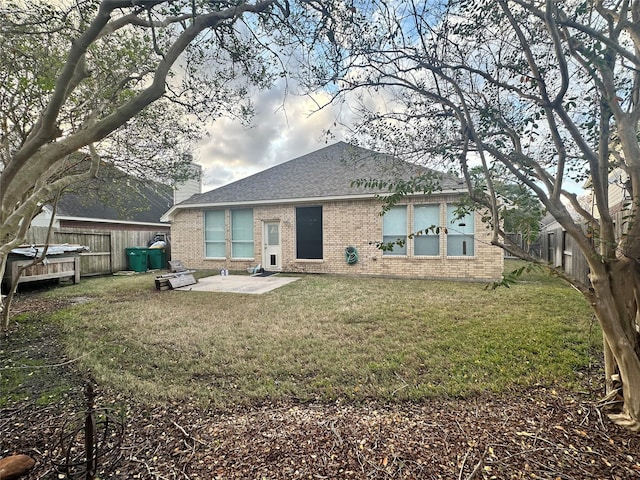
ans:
(107, 220)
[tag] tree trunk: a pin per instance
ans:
(4, 313)
(615, 286)
(609, 367)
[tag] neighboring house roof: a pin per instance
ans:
(324, 174)
(548, 222)
(115, 196)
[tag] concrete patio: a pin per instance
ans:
(239, 284)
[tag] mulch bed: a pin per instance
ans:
(536, 433)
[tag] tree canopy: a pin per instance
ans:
(128, 82)
(543, 91)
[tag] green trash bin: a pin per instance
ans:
(137, 258)
(157, 258)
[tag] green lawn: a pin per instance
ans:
(328, 337)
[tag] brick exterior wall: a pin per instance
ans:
(345, 223)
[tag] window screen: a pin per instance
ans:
(242, 233)
(214, 240)
(425, 219)
(309, 232)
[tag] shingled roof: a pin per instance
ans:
(116, 197)
(323, 174)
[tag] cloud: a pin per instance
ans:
(285, 127)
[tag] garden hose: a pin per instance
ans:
(351, 255)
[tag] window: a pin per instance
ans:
(424, 218)
(273, 234)
(242, 233)
(214, 234)
(460, 237)
(394, 228)
(309, 233)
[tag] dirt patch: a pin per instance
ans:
(34, 304)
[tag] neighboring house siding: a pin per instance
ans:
(345, 223)
(193, 186)
(617, 197)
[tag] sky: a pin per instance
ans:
(284, 127)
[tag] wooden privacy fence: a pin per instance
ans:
(106, 253)
(560, 249)
(520, 240)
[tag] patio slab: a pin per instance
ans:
(239, 284)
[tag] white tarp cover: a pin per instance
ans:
(60, 249)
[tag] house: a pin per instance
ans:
(108, 214)
(305, 215)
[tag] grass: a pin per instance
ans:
(327, 337)
(26, 359)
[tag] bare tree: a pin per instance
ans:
(92, 74)
(544, 92)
